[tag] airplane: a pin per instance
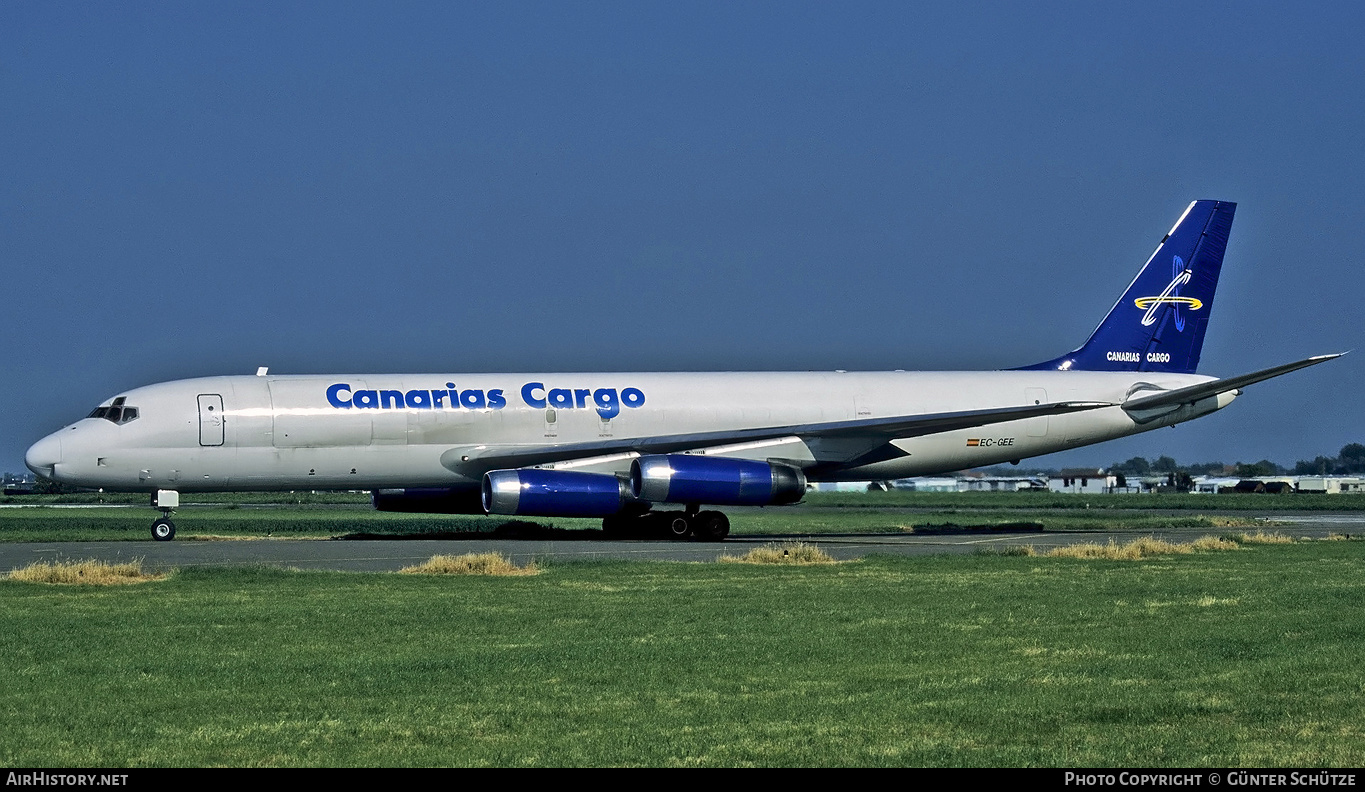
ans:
(623, 446)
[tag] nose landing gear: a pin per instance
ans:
(163, 530)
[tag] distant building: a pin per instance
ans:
(970, 484)
(1275, 485)
(1213, 485)
(1095, 481)
(929, 484)
(1331, 485)
(1004, 484)
(842, 486)
(1088, 481)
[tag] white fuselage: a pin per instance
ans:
(292, 432)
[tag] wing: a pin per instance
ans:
(478, 459)
(1179, 396)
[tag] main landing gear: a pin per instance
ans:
(703, 526)
(163, 530)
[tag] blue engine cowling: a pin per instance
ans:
(553, 493)
(681, 478)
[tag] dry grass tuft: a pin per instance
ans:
(84, 573)
(796, 553)
(1260, 537)
(1139, 549)
(470, 564)
(1132, 551)
(1213, 543)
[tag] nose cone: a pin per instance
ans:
(43, 456)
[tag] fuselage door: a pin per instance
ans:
(210, 419)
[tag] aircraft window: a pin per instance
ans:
(115, 414)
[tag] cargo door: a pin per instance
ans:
(303, 418)
(1036, 427)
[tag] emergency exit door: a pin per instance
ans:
(210, 419)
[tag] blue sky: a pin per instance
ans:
(204, 188)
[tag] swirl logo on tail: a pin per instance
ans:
(1170, 296)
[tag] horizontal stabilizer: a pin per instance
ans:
(1194, 393)
(476, 459)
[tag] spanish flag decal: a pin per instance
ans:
(974, 442)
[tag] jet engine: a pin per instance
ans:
(554, 493)
(681, 478)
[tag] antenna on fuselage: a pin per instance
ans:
(262, 371)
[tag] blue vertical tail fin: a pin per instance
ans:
(1159, 322)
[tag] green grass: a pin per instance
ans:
(328, 514)
(801, 520)
(130, 524)
(48, 524)
(1243, 658)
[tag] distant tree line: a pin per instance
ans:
(1349, 462)
(1164, 465)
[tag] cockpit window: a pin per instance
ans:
(115, 413)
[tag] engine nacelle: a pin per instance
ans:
(428, 500)
(553, 493)
(681, 478)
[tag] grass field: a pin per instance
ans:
(103, 523)
(332, 514)
(350, 515)
(1233, 658)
